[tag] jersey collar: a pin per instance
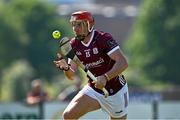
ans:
(87, 44)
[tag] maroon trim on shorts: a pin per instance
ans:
(112, 86)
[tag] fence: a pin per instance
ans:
(53, 110)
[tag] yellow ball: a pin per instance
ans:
(56, 34)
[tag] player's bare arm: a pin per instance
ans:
(70, 73)
(69, 69)
(119, 66)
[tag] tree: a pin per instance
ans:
(25, 35)
(153, 47)
(26, 29)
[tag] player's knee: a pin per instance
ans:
(67, 115)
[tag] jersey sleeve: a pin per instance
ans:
(109, 44)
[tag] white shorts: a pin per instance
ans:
(115, 105)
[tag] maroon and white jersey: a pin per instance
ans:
(94, 55)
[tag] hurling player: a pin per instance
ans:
(101, 54)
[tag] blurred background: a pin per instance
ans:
(146, 30)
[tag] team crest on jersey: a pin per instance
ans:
(95, 63)
(95, 50)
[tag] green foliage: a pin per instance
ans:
(39, 22)
(9, 39)
(26, 28)
(16, 80)
(25, 34)
(153, 47)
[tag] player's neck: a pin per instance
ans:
(87, 39)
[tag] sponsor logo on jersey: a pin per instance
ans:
(78, 53)
(94, 64)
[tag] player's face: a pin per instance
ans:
(77, 27)
(80, 29)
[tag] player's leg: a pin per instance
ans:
(116, 105)
(125, 99)
(121, 118)
(80, 105)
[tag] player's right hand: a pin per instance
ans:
(101, 82)
(61, 62)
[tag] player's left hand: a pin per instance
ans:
(61, 63)
(101, 82)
